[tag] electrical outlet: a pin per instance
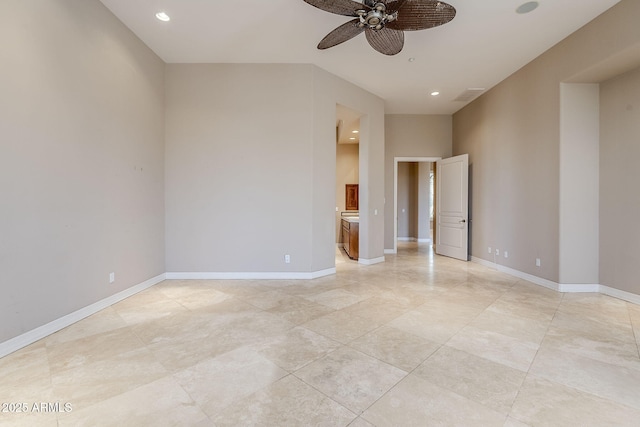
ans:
(489, 249)
(497, 252)
(506, 254)
(287, 259)
(112, 277)
(538, 263)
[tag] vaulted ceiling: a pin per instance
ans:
(485, 43)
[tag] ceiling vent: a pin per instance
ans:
(470, 94)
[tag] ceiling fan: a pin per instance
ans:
(383, 21)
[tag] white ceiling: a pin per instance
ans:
(485, 43)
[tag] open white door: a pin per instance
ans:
(452, 202)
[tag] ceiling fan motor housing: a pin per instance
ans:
(376, 18)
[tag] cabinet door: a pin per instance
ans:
(345, 235)
(354, 241)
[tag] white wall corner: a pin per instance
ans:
(372, 261)
(323, 273)
(578, 287)
(578, 184)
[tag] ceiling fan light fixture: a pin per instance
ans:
(435, 93)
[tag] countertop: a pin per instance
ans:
(355, 219)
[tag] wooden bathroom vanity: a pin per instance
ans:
(350, 231)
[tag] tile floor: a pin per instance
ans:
(419, 340)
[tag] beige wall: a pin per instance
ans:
(239, 167)
(81, 160)
(251, 167)
(330, 90)
(579, 183)
(512, 136)
(619, 179)
(411, 136)
(347, 172)
(408, 198)
(424, 196)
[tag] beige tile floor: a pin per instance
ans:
(418, 340)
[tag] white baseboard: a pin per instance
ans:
(563, 287)
(424, 240)
(483, 262)
(250, 275)
(578, 287)
(370, 261)
(407, 239)
(390, 251)
(617, 293)
(37, 334)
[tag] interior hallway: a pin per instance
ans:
(417, 340)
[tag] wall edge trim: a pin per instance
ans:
(563, 287)
(617, 293)
(28, 338)
(371, 261)
(275, 275)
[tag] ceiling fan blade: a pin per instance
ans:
(386, 40)
(420, 14)
(344, 32)
(339, 7)
(394, 5)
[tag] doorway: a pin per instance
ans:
(347, 173)
(418, 204)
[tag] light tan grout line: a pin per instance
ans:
(528, 373)
(633, 329)
(323, 393)
(434, 352)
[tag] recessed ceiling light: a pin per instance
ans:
(163, 16)
(352, 138)
(527, 7)
(436, 93)
(355, 131)
(412, 59)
